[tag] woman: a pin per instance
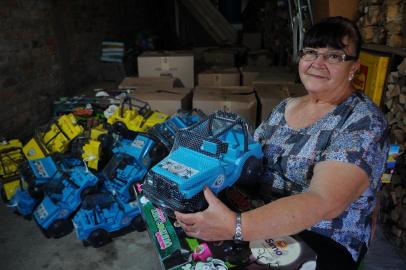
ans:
(324, 154)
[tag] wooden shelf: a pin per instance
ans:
(385, 49)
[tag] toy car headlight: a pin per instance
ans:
(149, 180)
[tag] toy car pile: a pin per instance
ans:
(71, 177)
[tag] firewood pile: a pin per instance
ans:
(383, 22)
(393, 207)
(393, 195)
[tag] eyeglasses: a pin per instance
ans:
(329, 57)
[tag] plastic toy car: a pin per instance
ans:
(215, 152)
(11, 156)
(37, 173)
(131, 160)
(103, 216)
(22, 203)
(125, 121)
(165, 132)
(54, 139)
(64, 195)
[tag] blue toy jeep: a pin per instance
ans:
(129, 164)
(216, 152)
(103, 216)
(35, 174)
(64, 195)
(165, 132)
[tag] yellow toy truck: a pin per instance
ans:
(125, 120)
(11, 156)
(55, 138)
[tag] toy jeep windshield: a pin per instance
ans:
(215, 152)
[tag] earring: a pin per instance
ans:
(351, 77)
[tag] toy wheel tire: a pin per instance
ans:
(120, 128)
(132, 192)
(86, 191)
(36, 192)
(99, 238)
(59, 228)
(3, 195)
(138, 224)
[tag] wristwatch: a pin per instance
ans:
(238, 229)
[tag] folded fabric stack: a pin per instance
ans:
(112, 51)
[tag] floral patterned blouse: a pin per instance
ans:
(354, 132)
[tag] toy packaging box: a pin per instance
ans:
(176, 250)
(372, 75)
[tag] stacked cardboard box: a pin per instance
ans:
(218, 77)
(272, 94)
(175, 64)
(159, 92)
(238, 99)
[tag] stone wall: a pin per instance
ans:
(51, 48)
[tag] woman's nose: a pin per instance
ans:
(320, 60)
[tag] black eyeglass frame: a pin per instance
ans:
(344, 57)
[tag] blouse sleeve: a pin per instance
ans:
(361, 141)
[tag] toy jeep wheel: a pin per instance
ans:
(138, 224)
(99, 238)
(132, 192)
(252, 169)
(36, 192)
(86, 191)
(3, 195)
(59, 228)
(120, 128)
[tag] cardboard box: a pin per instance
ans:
(156, 82)
(252, 41)
(168, 101)
(248, 75)
(241, 100)
(175, 64)
(259, 58)
(372, 75)
(330, 8)
(271, 95)
(220, 57)
(218, 77)
(281, 76)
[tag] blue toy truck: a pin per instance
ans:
(129, 164)
(165, 132)
(35, 174)
(64, 195)
(103, 216)
(216, 152)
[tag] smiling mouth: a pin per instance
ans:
(318, 76)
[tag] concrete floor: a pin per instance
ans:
(23, 246)
(382, 255)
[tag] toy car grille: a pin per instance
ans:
(161, 191)
(192, 140)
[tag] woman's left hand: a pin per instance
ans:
(215, 223)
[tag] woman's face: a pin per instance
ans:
(320, 76)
